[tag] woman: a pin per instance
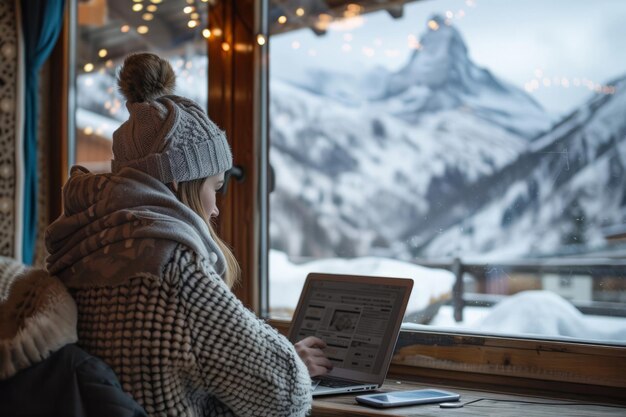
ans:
(152, 280)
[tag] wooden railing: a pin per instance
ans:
(569, 267)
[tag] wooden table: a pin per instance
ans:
(499, 404)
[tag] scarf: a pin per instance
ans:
(118, 226)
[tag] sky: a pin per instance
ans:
(517, 40)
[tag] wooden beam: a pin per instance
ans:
(58, 156)
(232, 72)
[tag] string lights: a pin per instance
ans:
(460, 14)
(351, 18)
(348, 18)
(433, 25)
(113, 106)
(541, 80)
(148, 16)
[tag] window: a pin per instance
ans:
(476, 146)
(432, 352)
(107, 31)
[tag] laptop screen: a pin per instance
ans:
(358, 317)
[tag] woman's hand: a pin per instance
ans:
(310, 351)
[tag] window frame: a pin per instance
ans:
(507, 363)
(558, 366)
(238, 100)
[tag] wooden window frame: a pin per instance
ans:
(236, 100)
(552, 366)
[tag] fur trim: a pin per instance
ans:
(9, 270)
(37, 317)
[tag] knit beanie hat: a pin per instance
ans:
(166, 136)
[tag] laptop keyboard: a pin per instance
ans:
(333, 383)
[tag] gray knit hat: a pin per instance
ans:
(166, 136)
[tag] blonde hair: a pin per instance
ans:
(189, 194)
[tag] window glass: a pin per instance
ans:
(475, 145)
(107, 31)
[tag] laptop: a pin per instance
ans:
(359, 318)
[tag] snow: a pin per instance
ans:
(546, 313)
(327, 156)
(536, 313)
(287, 278)
(539, 314)
(570, 190)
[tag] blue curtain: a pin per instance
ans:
(41, 25)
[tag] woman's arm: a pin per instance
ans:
(243, 362)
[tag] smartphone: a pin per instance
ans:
(399, 398)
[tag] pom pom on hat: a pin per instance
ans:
(166, 136)
(145, 77)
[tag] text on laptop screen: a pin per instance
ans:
(353, 321)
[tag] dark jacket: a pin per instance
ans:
(69, 383)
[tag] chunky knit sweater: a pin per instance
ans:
(153, 306)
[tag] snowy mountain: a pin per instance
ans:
(361, 171)
(439, 76)
(560, 193)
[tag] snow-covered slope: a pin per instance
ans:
(362, 167)
(350, 181)
(561, 193)
(544, 313)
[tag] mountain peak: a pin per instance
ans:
(440, 31)
(440, 76)
(440, 62)
(442, 54)
(438, 18)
